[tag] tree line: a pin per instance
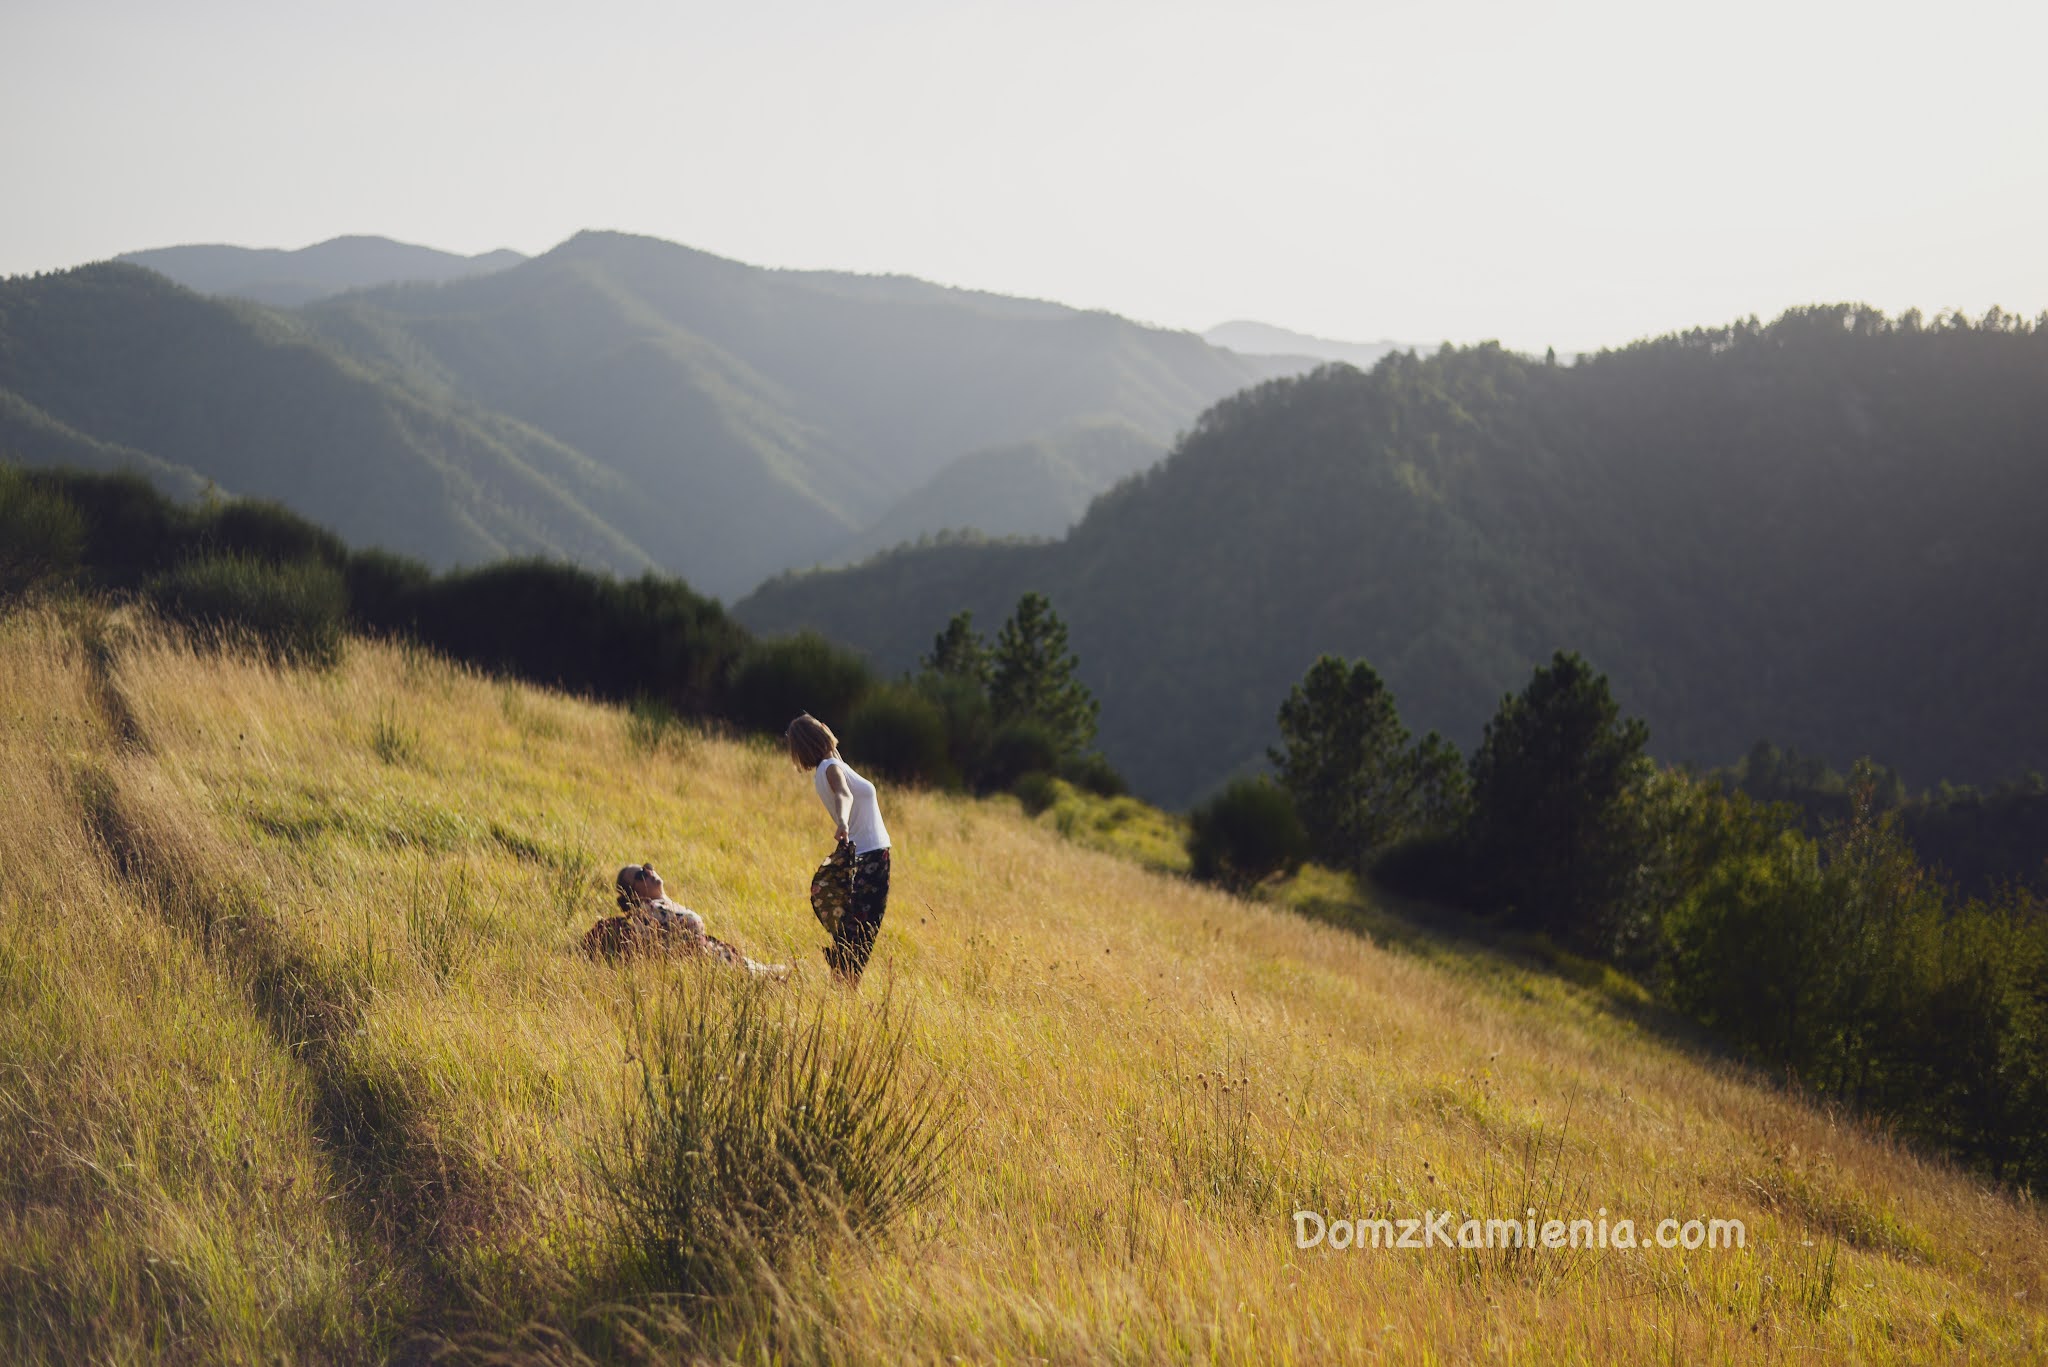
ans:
(977, 717)
(1824, 529)
(1825, 950)
(1981, 839)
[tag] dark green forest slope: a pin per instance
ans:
(1827, 531)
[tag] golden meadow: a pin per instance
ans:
(299, 1062)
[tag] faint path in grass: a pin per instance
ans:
(407, 1197)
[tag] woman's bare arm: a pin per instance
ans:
(842, 799)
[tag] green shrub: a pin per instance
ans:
(963, 708)
(131, 532)
(774, 681)
(559, 625)
(1015, 749)
(41, 536)
(294, 611)
(1091, 773)
(262, 530)
(384, 590)
(1435, 868)
(1752, 951)
(1245, 834)
(761, 1126)
(1982, 1032)
(899, 732)
(1846, 965)
(1038, 791)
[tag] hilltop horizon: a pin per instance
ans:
(1247, 335)
(622, 401)
(218, 267)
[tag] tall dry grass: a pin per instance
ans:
(162, 1195)
(365, 885)
(765, 1127)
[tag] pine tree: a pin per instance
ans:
(959, 652)
(1032, 677)
(1344, 758)
(1555, 836)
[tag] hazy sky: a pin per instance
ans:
(1560, 173)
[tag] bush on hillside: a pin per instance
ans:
(1844, 963)
(131, 532)
(774, 681)
(1015, 749)
(683, 644)
(1092, 773)
(1038, 791)
(559, 625)
(41, 536)
(898, 731)
(535, 619)
(384, 591)
(1433, 868)
(761, 1126)
(962, 704)
(262, 530)
(1246, 834)
(295, 611)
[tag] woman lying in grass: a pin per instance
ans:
(648, 922)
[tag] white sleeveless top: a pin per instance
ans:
(864, 827)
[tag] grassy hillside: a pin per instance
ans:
(1822, 531)
(297, 1061)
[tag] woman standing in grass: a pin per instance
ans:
(863, 842)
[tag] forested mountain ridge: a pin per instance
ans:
(769, 416)
(113, 366)
(1825, 531)
(620, 401)
(286, 279)
(1037, 488)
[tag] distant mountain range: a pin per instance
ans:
(1029, 489)
(287, 279)
(621, 401)
(1263, 339)
(1826, 532)
(112, 367)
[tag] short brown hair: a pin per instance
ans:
(811, 742)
